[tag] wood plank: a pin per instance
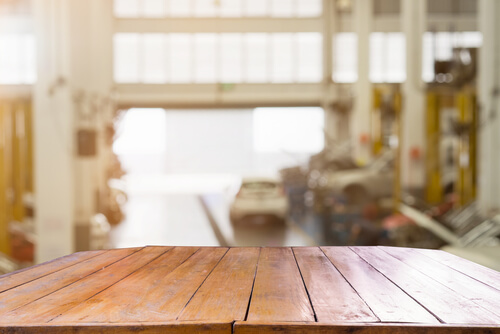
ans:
(157, 292)
(131, 328)
(332, 297)
(243, 327)
(226, 293)
(279, 293)
(26, 293)
(443, 302)
(478, 272)
(20, 277)
(51, 306)
(386, 300)
(481, 294)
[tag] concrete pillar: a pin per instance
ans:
(73, 60)
(360, 117)
(489, 106)
(412, 141)
(329, 17)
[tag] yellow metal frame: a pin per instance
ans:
(4, 231)
(434, 190)
(376, 122)
(397, 165)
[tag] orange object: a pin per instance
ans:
(364, 138)
(415, 153)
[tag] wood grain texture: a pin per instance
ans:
(49, 307)
(224, 296)
(20, 277)
(333, 298)
(279, 293)
(481, 294)
(478, 272)
(131, 328)
(443, 302)
(241, 327)
(157, 292)
(31, 291)
(386, 300)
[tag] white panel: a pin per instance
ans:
(256, 7)
(309, 8)
(126, 8)
(231, 8)
(154, 62)
(443, 43)
(282, 57)
(428, 57)
(205, 58)
(205, 8)
(395, 58)
(29, 59)
(230, 60)
(126, 57)
(309, 57)
(377, 55)
(256, 57)
(181, 62)
(345, 58)
(153, 8)
(471, 39)
(11, 65)
(282, 8)
(180, 8)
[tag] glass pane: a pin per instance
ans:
(443, 45)
(256, 56)
(309, 8)
(427, 57)
(153, 8)
(206, 8)
(395, 58)
(231, 8)
(205, 62)
(29, 59)
(377, 56)
(282, 8)
(126, 57)
(345, 59)
(282, 58)
(180, 58)
(256, 7)
(11, 66)
(154, 58)
(126, 8)
(180, 8)
(230, 61)
(309, 57)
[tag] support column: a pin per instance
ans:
(360, 119)
(74, 61)
(413, 114)
(329, 18)
(489, 107)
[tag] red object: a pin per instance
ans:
(364, 138)
(415, 153)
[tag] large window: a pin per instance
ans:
(387, 57)
(17, 59)
(345, 58)
(211, 58)
(217, 8)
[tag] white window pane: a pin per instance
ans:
(126, 57)
(10, 59)
(377, 56)
(275, 129)
(231, 47)
(179, 8)
(231, 8)
(395, 58)
(205, 58)
(256, 7)
(154, 58)
(309, 8)
(471, 39)
(282, 57)
(256, 56)
(345, 58)
(205, 8)
(126, 8)
(309, 57)
(427, 57)
(282, 8)
(443, 45)
(180, 58)
(153, 8)
(29, 59)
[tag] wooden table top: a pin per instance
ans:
(252, 290)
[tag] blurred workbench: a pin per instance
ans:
(252, 290)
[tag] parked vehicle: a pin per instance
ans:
(259, 201)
